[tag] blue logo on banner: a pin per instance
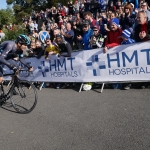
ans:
(95, 65)
(44, 69)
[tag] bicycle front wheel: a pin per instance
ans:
(23, 97)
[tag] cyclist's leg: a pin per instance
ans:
(1, 80)
(1, 74)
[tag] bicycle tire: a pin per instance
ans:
(24, 89)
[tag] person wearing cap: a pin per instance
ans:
(97, 39)
(126, 34)
(85, 39)
(113, 35)
(144, 7)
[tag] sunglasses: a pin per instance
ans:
(85, 26)
(24, 44)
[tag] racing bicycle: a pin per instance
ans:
(25, 98)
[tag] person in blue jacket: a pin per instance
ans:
(85, 39)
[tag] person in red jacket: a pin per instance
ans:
(62, 12)
(113, 35)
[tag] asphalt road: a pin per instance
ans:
(67, 120)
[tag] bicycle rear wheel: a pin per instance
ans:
(25, 99)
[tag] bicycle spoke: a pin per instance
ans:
(26, 99)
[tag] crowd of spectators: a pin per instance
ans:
(88, 24)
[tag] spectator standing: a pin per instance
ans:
(2, 35)
(54, 13)
(142, 30)
(71, 8)
(76, 6)
(113, 35)
(144, 7)
(101, 5)
(77, 28)
(89, 17)
(51, 48)
(65, 50)
(85, 39)
(118, 4)
(111, 7)
(40, 22)
(126, 34)
(39, 50)
(127, 18)
(135, 2)
(126, 37)
(64, 46)
(62, 12)
(35, 25)
(97, 39)
(69, 34)
(78, 17)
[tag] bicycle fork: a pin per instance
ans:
(21, 91)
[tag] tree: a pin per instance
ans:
(25, 7)
(7, 16)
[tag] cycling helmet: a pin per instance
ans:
(23, 39)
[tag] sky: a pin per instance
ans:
(3, 4)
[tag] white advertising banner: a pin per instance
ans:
(122, 63)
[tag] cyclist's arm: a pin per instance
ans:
(5, 62)
(22, 60)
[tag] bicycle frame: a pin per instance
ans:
(5, 95)
(15, 83)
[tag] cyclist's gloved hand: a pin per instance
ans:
(14, 55)
(14, 68)
(30, 68)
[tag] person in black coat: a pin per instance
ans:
(127, 19)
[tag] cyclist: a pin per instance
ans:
(13, 50)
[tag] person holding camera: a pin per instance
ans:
(97, 39)
(77, 28)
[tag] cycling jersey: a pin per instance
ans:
(8, 51)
